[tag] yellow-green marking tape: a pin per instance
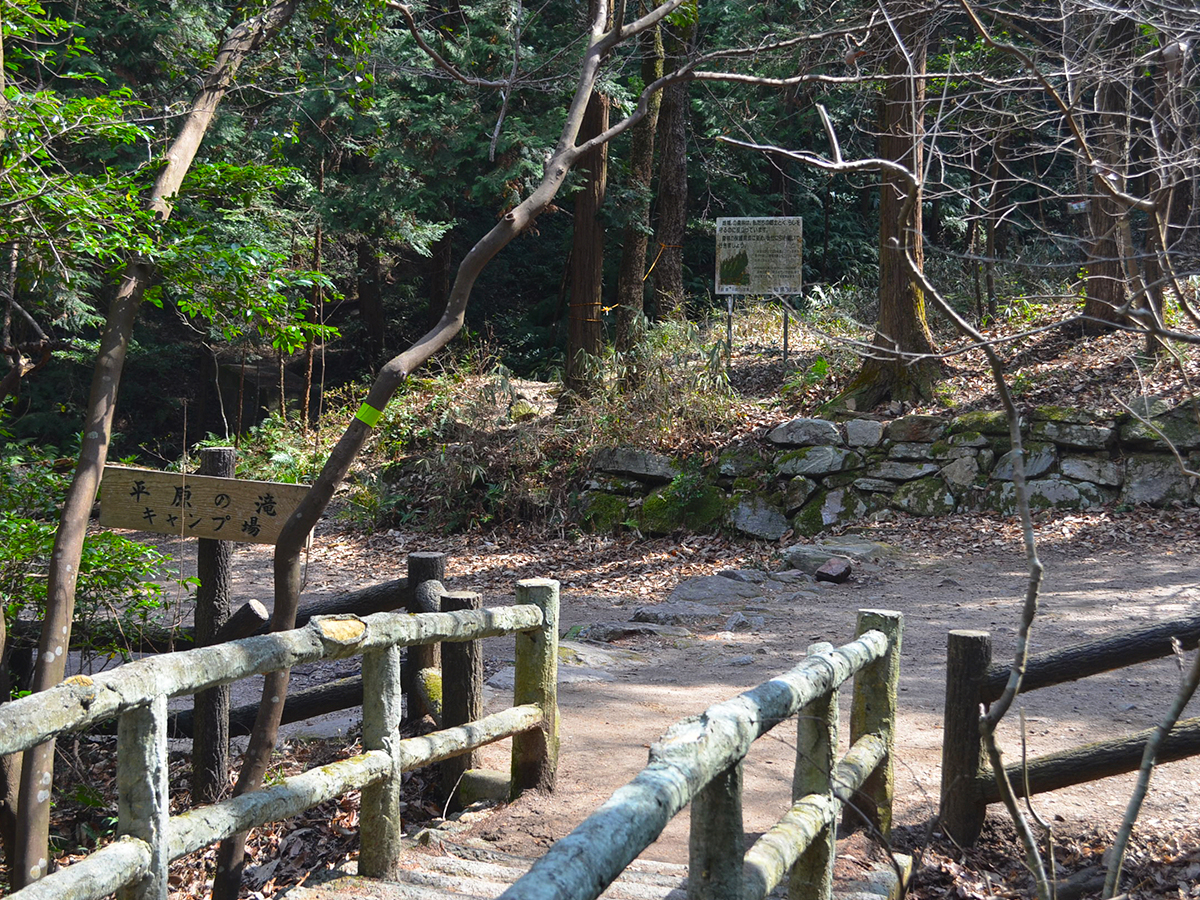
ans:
(368, 415)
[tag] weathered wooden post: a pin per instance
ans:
(423, 567)
(873, 711)
(143, 808)
(716, 841)
(963, 809)
(462, 692)
(535, 752)
(380, 820)
(816, 759)
(210, 729)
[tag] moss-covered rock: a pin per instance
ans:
(830, 509)
(916, 429)
(739, 461)
(603, 513)
(797, 492)
(666, 511)
(982, 421)
(1178, 426)
(817, 461)
(925, 497)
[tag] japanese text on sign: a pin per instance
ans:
(759, 255)
(223, 509)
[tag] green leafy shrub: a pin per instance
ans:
(118, 591)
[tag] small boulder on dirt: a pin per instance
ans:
(836, 570)
(676, 612)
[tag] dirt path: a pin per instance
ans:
(1101, 578)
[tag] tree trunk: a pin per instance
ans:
(370, 298)
(214, 567)
(1106, 284)
(894, 369)
(587, 251)
(672, 201)
(30, 862)
(631, 283)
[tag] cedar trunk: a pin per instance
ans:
(587, 250)
(631, 293)
(894, 369)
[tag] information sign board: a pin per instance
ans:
(223, 509)
(759, 255)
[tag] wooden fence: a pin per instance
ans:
(972, 681)
(699, 760)
(135, 866)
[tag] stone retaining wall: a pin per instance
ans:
(809, 475)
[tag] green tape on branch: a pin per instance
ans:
(369, 415)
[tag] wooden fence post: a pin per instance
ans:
(535, 752)
(816, 761)
(873, 711)
(214, 567)
(422, 567)
(462, 692)
(379, 819)
(963, 809)
(716, 841)
(143, 806)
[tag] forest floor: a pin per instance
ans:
(1106, 571)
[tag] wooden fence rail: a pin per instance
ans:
(699, 760)
(972, 681)
(135, 866)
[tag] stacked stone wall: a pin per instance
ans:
(809, 475)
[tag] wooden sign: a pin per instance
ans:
(224, 509)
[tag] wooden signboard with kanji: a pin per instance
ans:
(223, 509)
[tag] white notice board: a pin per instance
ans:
(759, 255)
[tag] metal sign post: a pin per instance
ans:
(759, 256)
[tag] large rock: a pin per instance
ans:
(864, 433)
(961, 473)
(1178, 426)
(910, 450)
(920, 429)
(829, 509)
(756, 516)
(1156, 480)
(925, 497)
(644, 465)
(1108, 472)
(808, 558)
(1068, 434)
(603, 513)
(797, 492)
(676, 612)
(816, 461)
(902, 471)
(981, 421)
(664, 511)
(1039, 459)
(712, 589)
(739, 460)
(805, 433)
(1054, 492)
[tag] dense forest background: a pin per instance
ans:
(345, 175)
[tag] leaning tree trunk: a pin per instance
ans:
(293, 536)
(30, 862)
(894, 367)
(631, 282)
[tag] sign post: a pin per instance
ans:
(759, 256)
